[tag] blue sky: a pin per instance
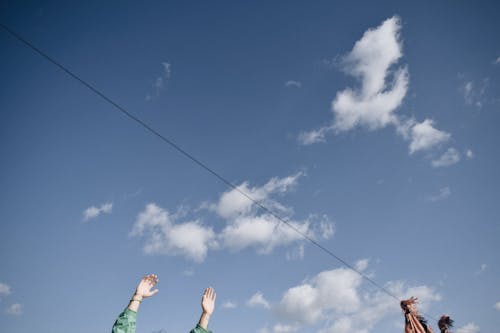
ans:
(373, 129)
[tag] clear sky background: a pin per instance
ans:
(372, 128)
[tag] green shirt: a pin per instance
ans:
(125, 323)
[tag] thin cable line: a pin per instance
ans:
(195, 160)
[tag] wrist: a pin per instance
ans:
(137, 297)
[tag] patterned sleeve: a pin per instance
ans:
(199, 329)
(125, 323)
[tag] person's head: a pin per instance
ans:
(445, 322)
(408, 305)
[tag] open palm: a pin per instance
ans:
(144, 289)
(208, 301)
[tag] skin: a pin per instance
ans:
(143, 290)
(207, 307)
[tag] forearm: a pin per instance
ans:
(204, 319)
(135, 303)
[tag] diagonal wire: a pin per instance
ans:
(182, 151)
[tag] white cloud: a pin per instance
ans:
(450, 157)
(229, 305)
(247, 226)
(4, 289)
(258, 300)
(424, 136)
(314, 136)
(264, 232)
(469, 153)
(383, 87)
(188, 272)
(329, 290)
(336, 301)
(296, 253)
(233, 204)
(160, 82)
(443, 193)
(497, 306)
(475, 93)
(165, 236)
(93, 211)
(292, 83)
(469, 328)
(497, 61)
(284, 328)
(370, 60)
(362, 264)
(15, 309)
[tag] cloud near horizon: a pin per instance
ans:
(335, 301)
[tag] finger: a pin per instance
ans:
(214, 296)
(154, 292)
(212, 293)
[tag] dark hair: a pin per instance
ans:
(445, 322)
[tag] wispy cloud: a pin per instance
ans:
(450, 157)
(497, 306)
(94, 211)
(314, 136)
(229, 305)
(15, 309)
(296, 253)
(4, 289)
(443, 193)
(293, 83)
(383, 87)
(362, 264)
(469, 154)
(258, 300)
(469, 328)
(188, 272)
(481, 269)
(160, 83)
(474, 92)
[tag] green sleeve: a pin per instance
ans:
(199, 329)
(125, 323)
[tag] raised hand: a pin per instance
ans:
(144, 287)
(208, 301)
(207, 307)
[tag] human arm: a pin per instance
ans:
(142, 291)
(126, 321)
(207, 307)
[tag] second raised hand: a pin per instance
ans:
(208, 301)
(207, 307)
